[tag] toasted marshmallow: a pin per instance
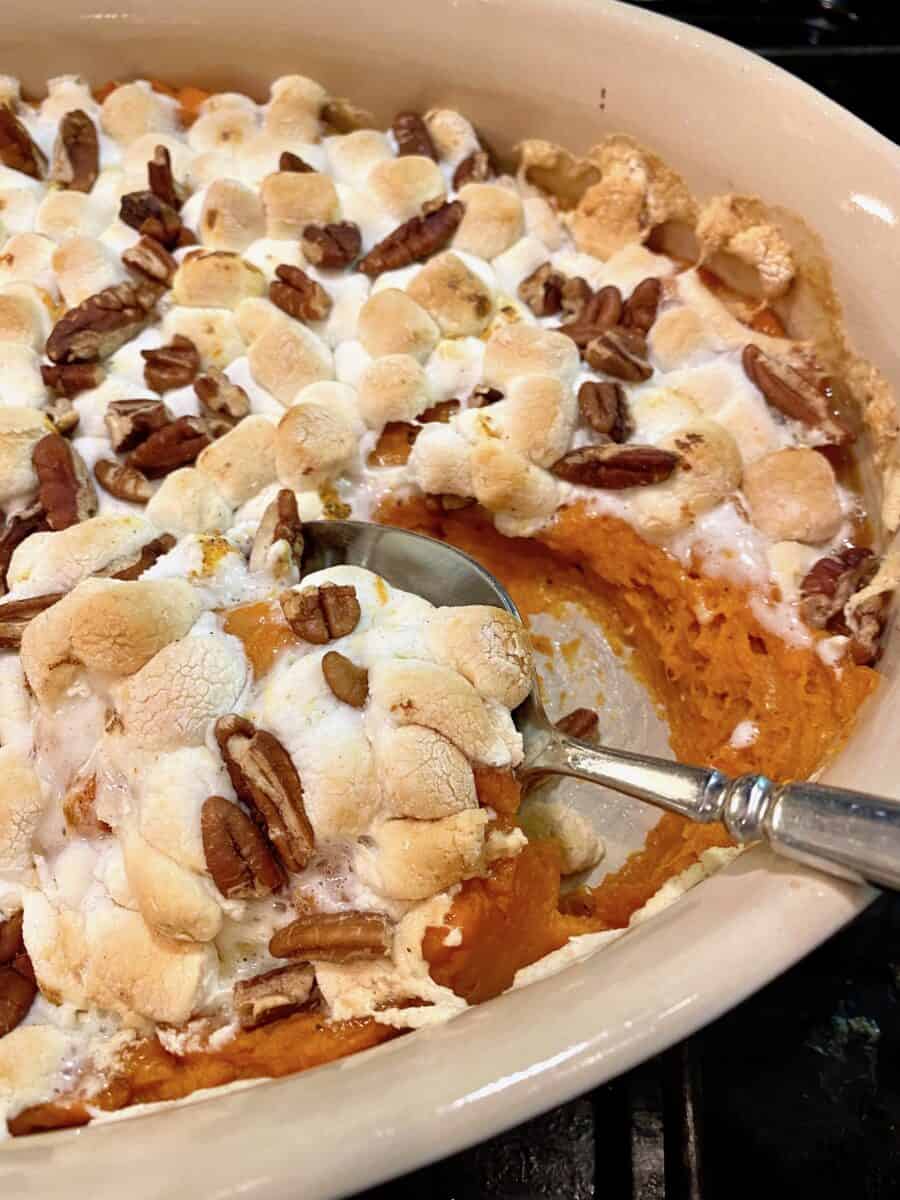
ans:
(261, 155)
(453, 137)
(256, 316)
(318, 437)
(18, 206)
(542, 222)
(421, 774)
(411, 860)
(288, 357)
(57, 562)
(352, 157)
(21, 384)
(518, 262)
(294, 107)
(487, 646)
(189, 502)
(522, 349)
(294, 199)
(173, 901)
(581, 848)
(402, 185)
(21, 809)
(65, 93)
(172, 792)
(390, 322)
(134, 109)
(23, 315)
(64, 214)
(737, 226)
(85, 266)
(27, 258)
(214, 331)
(55, 941)
(32, 1065)
(217, 280)
(142, 149)
(20, 431)
(242, 462)
(454, 295)
(493, 220)
(15, 706)
(232, 216)
(793, 496)
(537, 418)
(439, 462)
(505, 482)
(226, 128)
(393, 388)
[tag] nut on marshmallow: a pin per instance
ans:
(458, 300)
(232, 216)
(189, 502)
(241, 463)
(219, 279)
(494, 219)
(56, 562)
(402, 185)
(392, 388)
(391, 322)
(709, 472)
(318, 437)
(294, 199)
(411, 860)
(487, 646)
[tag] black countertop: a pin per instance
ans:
(796, 1092)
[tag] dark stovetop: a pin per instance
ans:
(796, 1092)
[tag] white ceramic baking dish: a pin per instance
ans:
(566, 70)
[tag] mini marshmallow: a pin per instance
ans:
(216, 280)
(232, 216)
(537, 418)
(214, 331)
(318, 437)
(189, 502)
(401, 186)
(351, 158)
(55, 941)
(493, 221)
(505, 482)
(172, 792)
(85, 266)
(455, 296)
(242, 462)
(227, 128)
(57, 562)
(393, 388)
(518, 262)
(390, 322)
(172, 900)
(487, 646)
(134, 109)
(18, 206)
(27, 258)
(32, 1063)
(294, 108)
(294, 199)
(411, 860)
(21, 384)
(793, 496)
(21, 809)
(64, 94)
(23, 316)
(524, 349)
(439, 462)
(287, 357)
(452, 135)
(422, 774)
(63, 214)
(20, 431)
(542, 222)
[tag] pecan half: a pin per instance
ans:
(576, 292)
(79, 808)
(414, 240)
(11, 942)
(65, 490)
(613, 466)
(17, 987)
(172, 366)
(412, 136)
(220, 397)
(76, 152)
(130, 422)
(98, 326)
(597, 314)
(161, 179)
(474, 168)
(333, 937)
(17, 150)
(237, 854)
(142, 561)
(266, 779)
(621, 353)
(15, 615)
(293, 162)
(151, 217)
(347, 681)
(788, 391)
(175, 445)
(605, 408)
(321, 614)
(483, 396)
(332, 246)
(72, 380)
(269, 997)
(280, 523)
(542, 291)
(830, 582)
(579, 723)
(26, 522)
(641, 306)
(152, 260)
(64, 415)
(295, 293)
(122, 481)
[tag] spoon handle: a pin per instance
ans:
(850, 834)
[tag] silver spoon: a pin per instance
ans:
(850, 834)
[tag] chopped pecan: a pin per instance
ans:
(65, 490)
(295, 293)
(597, 314)
(412, 136)
(151, 259)
(788, 391)
(333, 937)
(474, 168)
(830, 582)
(274, 995)
(175, 445)
(172, 366)
(64, 415)
(542, 291)
(483, 396)
(621, 353)
(142, 561)
(576, 292)
(613, 466)
(322, 614)
(220, 397)
(280, 523)
(17, 150)
(332, 246)
(26, 522)
(161, 179)
(98, 326)
(79, 808)
(130, 422)
(579, 723)
(265, 778)
(237, 854)
(11, 942)
(443, 411)
(347, 681)
(122, 481)
(413, 241)
(17, 986)
(293, 162)
(444, 502)
(605, 408)
(641, 306)
(16, 614)
(72, 380)
(151, 217)
(76, 152)
(343, 116)
(394, 444)
(865, 625)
